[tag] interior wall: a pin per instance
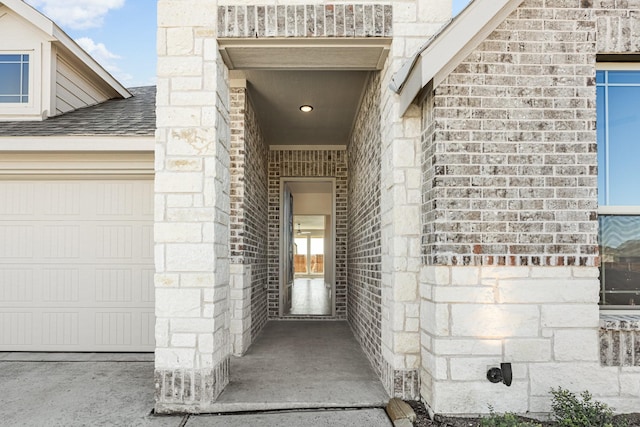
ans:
(307, 164)
(364, 242)
(249, 202)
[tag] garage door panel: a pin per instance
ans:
(76, 266)
(18, 200)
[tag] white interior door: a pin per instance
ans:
(288, 250)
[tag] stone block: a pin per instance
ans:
(174, 358)
(162, 332)
(405, 287)
(167, 280)
(166, 232)
(548, 291)
(495, 321)
(570, 316)
(463, 294)
(465, 276)
(175, 303)
(187, 13)
(179, 41)
(527, 350)
(406, 343)
(179, 182)
(191, 325)
(505, 272)
(197, 280)
(434, 318)
(205, 343)
(190, 257)
(467, 347)
(183, 340)
(576, 345)
(435, 11)
(575, 376)
(437, 275)
(471, 397)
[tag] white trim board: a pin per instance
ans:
(440, 55)
(77, 143)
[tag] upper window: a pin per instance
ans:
(14, 79)
(618, 127)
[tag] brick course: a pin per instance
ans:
(364, 241)
(308, 164)
(305, 20)
(249, 206)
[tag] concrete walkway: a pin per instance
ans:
(291, 365)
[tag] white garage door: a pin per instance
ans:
(76, 265)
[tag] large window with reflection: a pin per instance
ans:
(14, 79)
(618, 127)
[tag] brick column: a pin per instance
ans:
(413, 23)
(191, 209)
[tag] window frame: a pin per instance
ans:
(29, 71)
(615, 210)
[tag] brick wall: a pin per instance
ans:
(305, 20)
(509, 150)
(248, 221)
(308, 164)
(364, 257)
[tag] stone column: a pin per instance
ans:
(413, 24)
(191, 209)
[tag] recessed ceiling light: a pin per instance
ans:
(306, 108)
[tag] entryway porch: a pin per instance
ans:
(302, 364)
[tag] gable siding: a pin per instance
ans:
(73, 90)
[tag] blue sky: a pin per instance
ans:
(120, 34)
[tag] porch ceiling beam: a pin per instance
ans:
(305, 54)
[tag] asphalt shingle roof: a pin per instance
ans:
(135, 116)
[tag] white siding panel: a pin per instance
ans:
(76, 266)
(73, 90)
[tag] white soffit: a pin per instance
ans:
(305, 54)
(440, 55)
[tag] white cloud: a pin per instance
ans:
(77, 14)
(106, 58)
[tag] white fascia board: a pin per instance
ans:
(77, 143)
(456, 41)
(50, 28)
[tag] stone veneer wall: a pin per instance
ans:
(191, 232)
(248, 222)
(510, 214)
(414, 22)
(308, 164)
(364, 259)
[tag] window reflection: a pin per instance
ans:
(620, 259)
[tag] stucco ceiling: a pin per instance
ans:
(278, 95)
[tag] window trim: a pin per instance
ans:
(614, 209)
(29, 77)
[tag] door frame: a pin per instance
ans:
(331, 257)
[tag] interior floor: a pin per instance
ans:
(302, 364)
(310, 296)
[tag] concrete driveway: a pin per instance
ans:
(316, 373)
(100, 393)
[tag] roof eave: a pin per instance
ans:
(447, 50)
